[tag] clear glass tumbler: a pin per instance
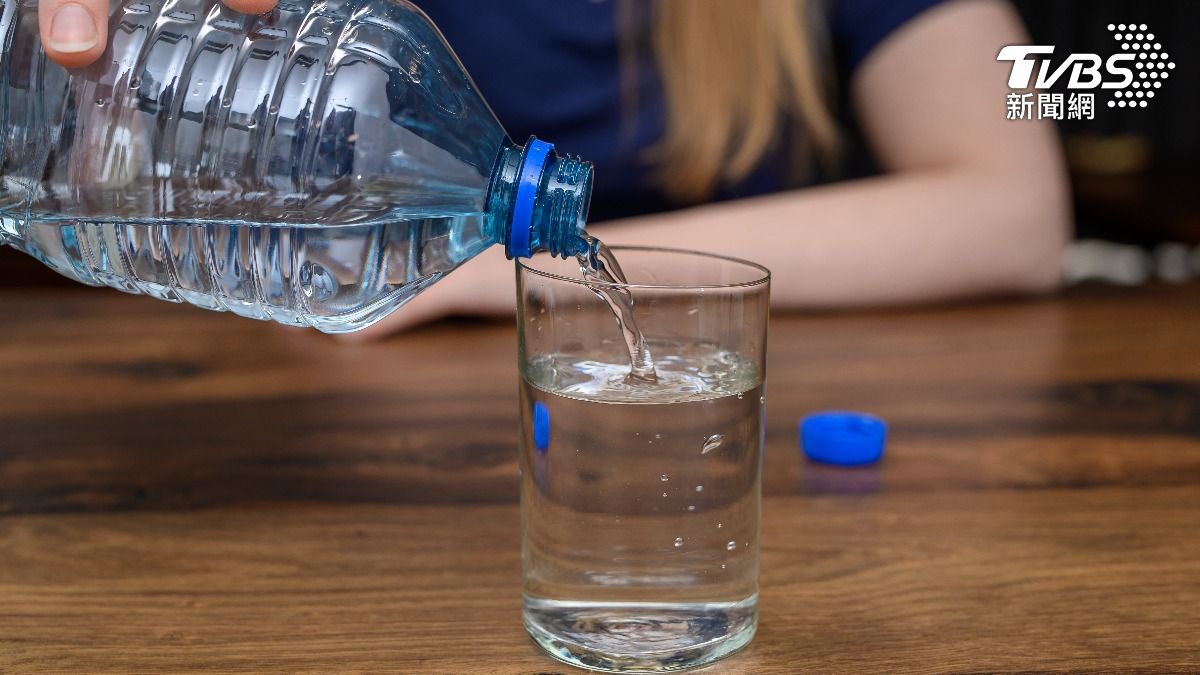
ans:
(640, 499)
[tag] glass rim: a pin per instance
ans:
(523, 264)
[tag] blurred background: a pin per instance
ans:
(1134, 172)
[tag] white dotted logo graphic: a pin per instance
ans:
(1151, 66)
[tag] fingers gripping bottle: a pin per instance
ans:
(318, 165)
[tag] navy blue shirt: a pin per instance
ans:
(551, 68)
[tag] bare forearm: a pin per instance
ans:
(906, 237)
(970, 204)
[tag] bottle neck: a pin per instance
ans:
(539, 200)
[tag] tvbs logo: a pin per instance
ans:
(1132, 74)
(1084, 68)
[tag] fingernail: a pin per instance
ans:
(72, 29)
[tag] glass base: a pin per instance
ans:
(637, 637)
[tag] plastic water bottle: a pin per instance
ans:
(318, 165)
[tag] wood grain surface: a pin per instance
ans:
(185, 491)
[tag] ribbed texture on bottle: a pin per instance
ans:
(317, 165)
(200, 93)
(563, 206)
(573, 171)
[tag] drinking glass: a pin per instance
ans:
(640, 496)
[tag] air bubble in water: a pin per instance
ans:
(678, 542)
(101, 102)
(664, 494)
(316, 281)
(699, 488)
(658, 437)
(693, 310)
(664, 478)
(730, 546)
(692, 507)
(722, 565)
(712, 443)
(740, 397)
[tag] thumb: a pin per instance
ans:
(74, 32)
(250, 6)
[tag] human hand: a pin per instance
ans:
(75, 32)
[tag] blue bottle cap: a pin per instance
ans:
(843, 438)
(541, 427)
(520, 244)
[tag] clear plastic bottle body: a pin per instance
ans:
(318, 165)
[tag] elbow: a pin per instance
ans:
(1039, 231)
(1039, 269)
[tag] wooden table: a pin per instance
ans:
(182, 490)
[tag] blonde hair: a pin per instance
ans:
(732, 71)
